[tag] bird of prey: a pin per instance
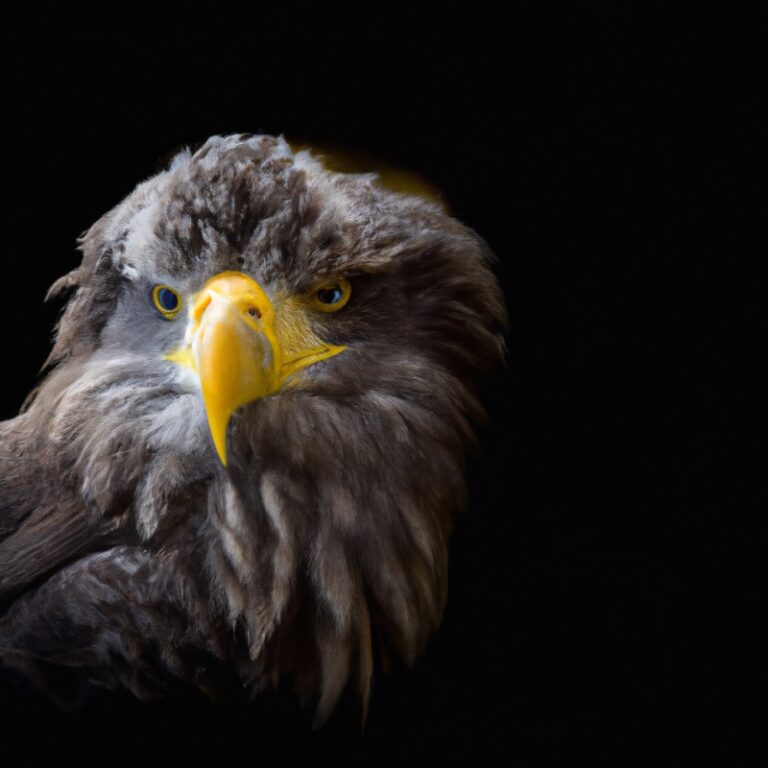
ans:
(250, 441)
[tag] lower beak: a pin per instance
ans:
(234, 345)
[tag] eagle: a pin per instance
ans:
(249, 442)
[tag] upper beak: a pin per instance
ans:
(235, 344)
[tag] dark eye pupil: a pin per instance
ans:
(167, 299)
(330, 295)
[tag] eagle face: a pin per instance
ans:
(250, 444)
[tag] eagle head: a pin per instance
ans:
(251, 438)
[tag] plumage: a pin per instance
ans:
(136, 552)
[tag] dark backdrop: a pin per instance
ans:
(606, 581)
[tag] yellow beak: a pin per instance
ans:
(243, 348)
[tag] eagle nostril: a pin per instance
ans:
(254, 312)
(201, 306)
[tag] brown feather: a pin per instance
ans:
(130, 554)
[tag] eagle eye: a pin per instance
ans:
(332, 296)
(166, 300)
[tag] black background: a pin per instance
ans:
(606, 583)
